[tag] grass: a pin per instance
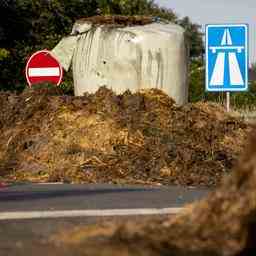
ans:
(248, 114)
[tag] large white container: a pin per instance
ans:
(134, 58)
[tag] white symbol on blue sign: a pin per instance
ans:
(227, 57)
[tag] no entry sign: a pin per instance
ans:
(43, 67)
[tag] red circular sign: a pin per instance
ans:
(43, 67)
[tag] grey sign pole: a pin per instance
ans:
(228, 101)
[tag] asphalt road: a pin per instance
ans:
(25, 235)
(65, 197)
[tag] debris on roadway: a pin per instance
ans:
(222, 224)
(141, 138)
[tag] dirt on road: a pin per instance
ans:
(141, 138)
(222, 224)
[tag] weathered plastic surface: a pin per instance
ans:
(134, 58)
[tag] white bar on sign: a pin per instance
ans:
(235, 73)
(238, 48)
(229, 40)
(218, 71)
(35, 72)
(224, 38)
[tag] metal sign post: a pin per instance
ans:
(228, 101)
(227, 59)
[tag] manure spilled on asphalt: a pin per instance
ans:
(223, 224)
(133, 138)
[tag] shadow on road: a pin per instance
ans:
(35, 195)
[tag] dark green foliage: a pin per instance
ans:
(34, 25)
(197, 91)
(245, 100)
(194, 36)
(39, 24)
(138, 7)
(196, 81)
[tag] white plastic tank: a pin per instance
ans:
(131, 57)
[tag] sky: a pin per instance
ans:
(218, 11)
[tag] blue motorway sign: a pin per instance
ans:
(227, 57)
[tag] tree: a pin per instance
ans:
(33, 25)
(194, 36)
(253, 67)
(38, 24)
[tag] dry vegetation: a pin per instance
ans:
(141, 138)
(222, 224)
(136, 138)
(118, 20)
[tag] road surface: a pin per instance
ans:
(57, 198)
(31, 213)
